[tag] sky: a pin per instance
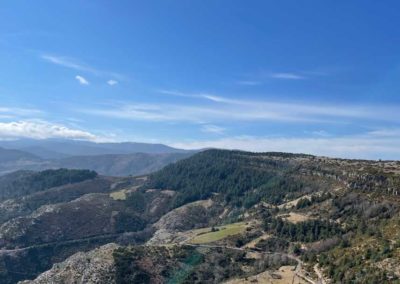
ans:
(313, 76)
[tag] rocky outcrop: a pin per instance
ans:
(96, 266)
(197, 214)
(186, 217)
(77, 219)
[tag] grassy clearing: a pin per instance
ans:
(205, 235)
(118, 195)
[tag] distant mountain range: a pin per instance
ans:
(11, 155)
(61, 148)
(114, 159)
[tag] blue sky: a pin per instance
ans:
(311, 76)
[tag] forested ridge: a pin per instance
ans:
(241, 178)
(26, 182)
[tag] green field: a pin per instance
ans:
(206, 236)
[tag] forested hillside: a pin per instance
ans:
(240, 178)
(24, 182)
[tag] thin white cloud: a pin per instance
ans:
(205, 96)
(357, 146)
(249, 83)
(215, 98)
(194, 114)
(226, 110)
(387, 132)
(78, 65)
(172, 93)
(69, 63)
(81, 80)
(287, 76)
(214, 129)
(112, 82)
(39, 129)
(10, 112)
(321, 133)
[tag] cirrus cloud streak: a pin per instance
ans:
(217, 109)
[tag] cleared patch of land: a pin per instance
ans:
(207, 235)
(252, 243)
(295, 217)
(294, 202)
(122, 194)
(118, 195)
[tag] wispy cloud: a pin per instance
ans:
(249, 83)
(214, 129)
(69, 63)
(247, 109)
(321, 133)
(262, 77)
(39, 129)
(206, 96)
(356, 146)
(148, 112)
(287, 76)
(112, 82)
(220, 110)
(171, 92)
(10, 112)
(75, 64)
(385, 132)
(81, 80)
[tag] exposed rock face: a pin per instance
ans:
(64, 221)
(25, 205)
(96, 266)
(186, 217)
(193, 215)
